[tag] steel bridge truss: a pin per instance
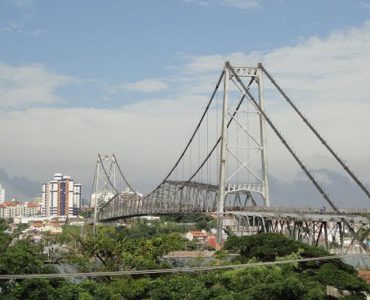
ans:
(233, 189)
(245, 137)
(173, 197)
(329, 231)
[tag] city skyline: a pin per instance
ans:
(89, 83)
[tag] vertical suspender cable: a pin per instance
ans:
(199, 151)
(123, 176)
(219, 138)
(207, 146)
(195, 131)
(290, 150)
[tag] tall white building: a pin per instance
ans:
(101, 197)
(2, 194)
(61, 197)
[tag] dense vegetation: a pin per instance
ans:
(142, 246)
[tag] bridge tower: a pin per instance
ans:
(104, 185)
(243, 162)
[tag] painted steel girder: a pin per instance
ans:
(331, 234)
(169, 197)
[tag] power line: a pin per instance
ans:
(177, 270)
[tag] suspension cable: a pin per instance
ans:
(195, 131)
(290, 150)
(316, 133)
(208, 170)
(219, 139)
(123, 176)
(106, 174)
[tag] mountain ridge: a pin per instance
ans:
(19, 187)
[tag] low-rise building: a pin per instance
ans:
(13, 209)
(197, 235)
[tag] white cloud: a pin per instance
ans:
(327, 77)
(145, 86)
(214, 63)
(242, 4)
(69, 139)
(19, 28)
(25, 10)
(26, 85)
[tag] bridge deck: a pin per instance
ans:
(304, 216)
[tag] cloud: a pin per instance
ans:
(300, 192)
(364, 5)
(19, 28)
(327, 77)
(144, 86)
(69, 139)
(26, 85)
(242, 4)
(21, 12)
(213, 63)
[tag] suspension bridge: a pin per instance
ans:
(223, 170)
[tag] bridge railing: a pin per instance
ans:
(323, 210)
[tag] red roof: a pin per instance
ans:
(198, 234)
(10, 203)
(37, 223)
(365, 275)
(55, 224)
(212, 241)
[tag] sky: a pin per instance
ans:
(78, 78)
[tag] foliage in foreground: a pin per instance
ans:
(119, 250)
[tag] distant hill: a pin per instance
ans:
(300, 192)
(19, 187)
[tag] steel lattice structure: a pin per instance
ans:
(238, 178)
(327, 230)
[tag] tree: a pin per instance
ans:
(269, 247)
(23, 257)
(329, 274)
(117, 250)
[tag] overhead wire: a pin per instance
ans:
(178, 270)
